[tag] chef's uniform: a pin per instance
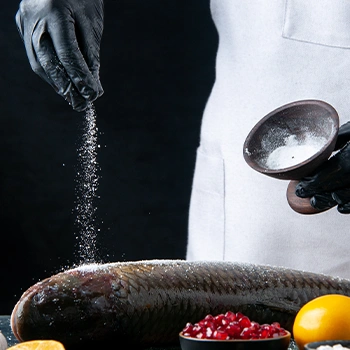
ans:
(271, 52)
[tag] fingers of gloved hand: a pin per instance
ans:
(343, 135)
(69, 54)
(344, 208)
(323, 201)
(51, 70)
(32, 31)
(96, 75)
(342, 196)
(89, 40)
(332, 175)
(305, 188)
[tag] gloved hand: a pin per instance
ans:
(329, 185)
(62, 40)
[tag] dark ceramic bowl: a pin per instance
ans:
(298, 119)
(281, 343)
(315, 345)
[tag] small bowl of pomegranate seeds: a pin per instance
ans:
(233, 331)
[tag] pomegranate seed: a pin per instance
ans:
(233, 330)
(188, 328)
(209, 332)
(231, 316)
(220, 334)
(255, 326)
(244, 322)
(209, 317)
(246, 333)
(200, 335)
(282, 332)
(276, 325)
(263, 334)
(239, 315)
(219, 319)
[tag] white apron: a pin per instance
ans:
(271, 52)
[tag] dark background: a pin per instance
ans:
(157, 70)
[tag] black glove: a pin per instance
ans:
(62, 39)
(329, 185)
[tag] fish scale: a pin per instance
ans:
(149, 302)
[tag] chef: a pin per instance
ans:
(271, 52)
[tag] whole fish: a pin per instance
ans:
(147, 303)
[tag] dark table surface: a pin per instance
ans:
(5, 328)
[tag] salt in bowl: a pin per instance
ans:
(302, 124)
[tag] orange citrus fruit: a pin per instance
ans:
(38, 345)
(324, 318)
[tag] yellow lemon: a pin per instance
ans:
(38, 345)
(324, 318)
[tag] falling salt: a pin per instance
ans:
(294, 152)
(86, 190)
